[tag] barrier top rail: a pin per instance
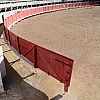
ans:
(14, 7)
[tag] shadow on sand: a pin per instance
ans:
(58, 97)
(25, 90)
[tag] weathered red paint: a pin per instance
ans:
(56, 65)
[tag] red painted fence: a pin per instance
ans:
(53, 64)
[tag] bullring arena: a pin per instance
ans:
(73, 33)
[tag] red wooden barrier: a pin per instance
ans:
(41, 9)
(6, 33)
(56, 65)
(33, 11)
(13, 40)
(26, 49)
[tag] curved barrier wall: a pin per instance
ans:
(56, 65)
(8, 8)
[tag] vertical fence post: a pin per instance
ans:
(35, 56)
(9, 37)
(18, 45)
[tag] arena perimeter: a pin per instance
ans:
(74, 33)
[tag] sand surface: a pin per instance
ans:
(74, 33)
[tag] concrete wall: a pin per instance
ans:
(2, 64)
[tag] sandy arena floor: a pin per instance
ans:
(74, 33)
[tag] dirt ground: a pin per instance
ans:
(74, 33)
